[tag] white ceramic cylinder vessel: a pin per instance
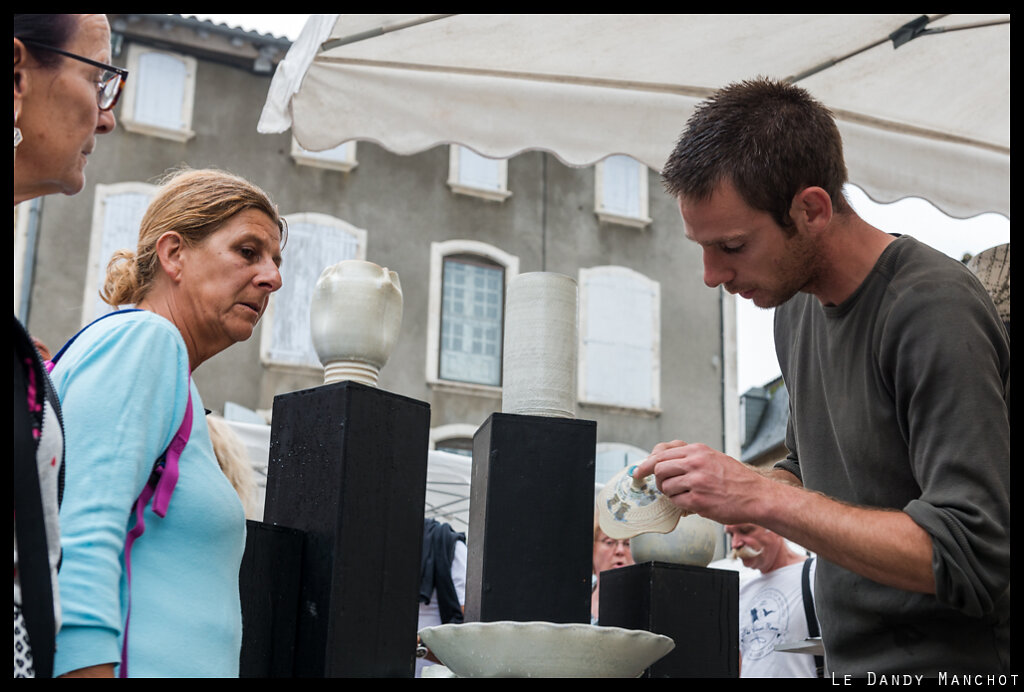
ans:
(355, 317)
(539, 359)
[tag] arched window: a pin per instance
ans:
(466, 305)
(117, 214)
(611, 457)
(455, 438)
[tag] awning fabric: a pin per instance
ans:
(930, 118)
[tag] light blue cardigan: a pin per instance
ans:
(123, 388)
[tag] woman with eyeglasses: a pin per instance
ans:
(63, 95)
(608, 554)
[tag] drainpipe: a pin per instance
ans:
(730, 399)
(29, 263)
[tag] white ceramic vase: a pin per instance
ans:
(539, 359)
(355, 317)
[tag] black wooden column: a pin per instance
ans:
(268, 584)
(531, 517)
(697, 607)
(348, 466)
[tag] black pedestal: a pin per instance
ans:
(268, 583)
(348, 466)
(531, 519)
(696, 606)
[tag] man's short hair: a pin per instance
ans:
(770, 139)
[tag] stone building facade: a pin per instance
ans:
(656, 350)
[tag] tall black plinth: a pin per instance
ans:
(348, 466)
(268, 584)
(531, 519)
(697, 607)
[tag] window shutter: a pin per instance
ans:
(160, 95)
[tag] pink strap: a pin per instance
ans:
(160, 492)
(169, 475)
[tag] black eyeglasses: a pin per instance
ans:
(110, 83)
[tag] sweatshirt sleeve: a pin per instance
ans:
(124, 388)
(950, 369)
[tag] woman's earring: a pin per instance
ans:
(17, 136)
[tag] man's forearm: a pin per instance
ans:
(783, 476)
(884, 545)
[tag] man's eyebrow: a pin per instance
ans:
(731, 238)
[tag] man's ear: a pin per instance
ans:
(170, 252)
(811, 209)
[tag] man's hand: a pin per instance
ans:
(881, 544)
(700, 479)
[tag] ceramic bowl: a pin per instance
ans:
(692, 542)
(544, 649)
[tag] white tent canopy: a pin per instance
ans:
(929, 118)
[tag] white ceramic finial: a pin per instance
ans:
(355, 317)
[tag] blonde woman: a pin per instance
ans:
(206, 264)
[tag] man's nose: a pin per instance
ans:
(716, 272)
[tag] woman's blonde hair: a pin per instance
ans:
(194, 204)
(234, 461)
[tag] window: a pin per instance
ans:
(611, 457)
(340, 158)
(117, 214)
(619, 364)
(315, 242)
(472, 303)
(159, 94)
(456, 438)
(470, 173)
(449, 469)
(620, 194)
(466, 314)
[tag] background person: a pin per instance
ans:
(62, 100)
(772, 609)
(442, 594)
(992, 267)
(234, 461)
(207, 262)
(609, 553)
